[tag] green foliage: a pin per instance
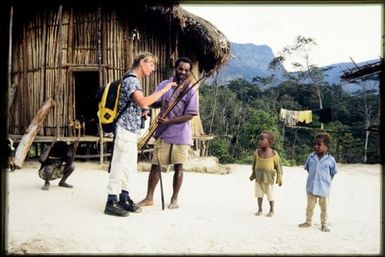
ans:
(244, 91)
(219, 147)
(256, 122)
(243, 110)
(239, 118)
(351, 149)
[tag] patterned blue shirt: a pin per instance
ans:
(320, 174)
(130, 119)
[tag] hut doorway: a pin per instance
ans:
(86, 104)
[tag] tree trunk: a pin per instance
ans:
(214, 105)
(293, 146)
(366, 146)
(338, 150)
(320, 103)
(32, 130)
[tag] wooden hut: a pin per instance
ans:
(66, 51)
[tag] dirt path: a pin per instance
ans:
(216, 215)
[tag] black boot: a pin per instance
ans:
(129, 205)
(113, 208)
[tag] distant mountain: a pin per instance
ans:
(249, 60)
(333, 75)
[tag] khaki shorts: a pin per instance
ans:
(165, 154)
(264, 188)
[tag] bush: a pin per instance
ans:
(219, 148)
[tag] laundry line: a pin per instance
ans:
(291, 117)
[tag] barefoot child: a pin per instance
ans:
(265, 165)
(321, 168)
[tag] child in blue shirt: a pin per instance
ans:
(321, 168)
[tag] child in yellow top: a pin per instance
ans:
(266, 163)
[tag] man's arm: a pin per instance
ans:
(252, 176)
(176, 120)
(72, 152)
(156, 105)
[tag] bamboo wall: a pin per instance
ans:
(48, 46)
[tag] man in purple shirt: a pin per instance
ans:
(173, 135)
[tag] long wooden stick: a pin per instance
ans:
(161, 189)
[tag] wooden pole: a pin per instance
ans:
(59, 96)
(32, 130)
(100, 80)
(9, 66)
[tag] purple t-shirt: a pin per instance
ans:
(179, 134)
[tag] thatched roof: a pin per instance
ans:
(214, 47)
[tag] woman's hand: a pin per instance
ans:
(168, 86)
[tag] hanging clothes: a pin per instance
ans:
(305, 116)
(325, 115)
(289, 117)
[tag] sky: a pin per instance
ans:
(340, 31)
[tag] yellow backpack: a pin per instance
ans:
(108, 97)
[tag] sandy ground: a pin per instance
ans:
(216, 215)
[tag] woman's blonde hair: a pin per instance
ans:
(146, 56)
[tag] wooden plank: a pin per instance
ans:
(32, 130)
(48, 139)
(89, 156)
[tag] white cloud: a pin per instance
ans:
(341, 31)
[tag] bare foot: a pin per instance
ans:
(270, 214)
(64, 184)
(45, 187)
(325, 228)
(173, 205)
(145, 202)
(259, 213)
(304, 225)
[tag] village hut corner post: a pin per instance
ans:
(66, 51)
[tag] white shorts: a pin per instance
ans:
(262, 189)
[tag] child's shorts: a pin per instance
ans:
(262, 189)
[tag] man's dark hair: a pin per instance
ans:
(183, 59)
(325, 137)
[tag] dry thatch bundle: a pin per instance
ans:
(214, 47)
